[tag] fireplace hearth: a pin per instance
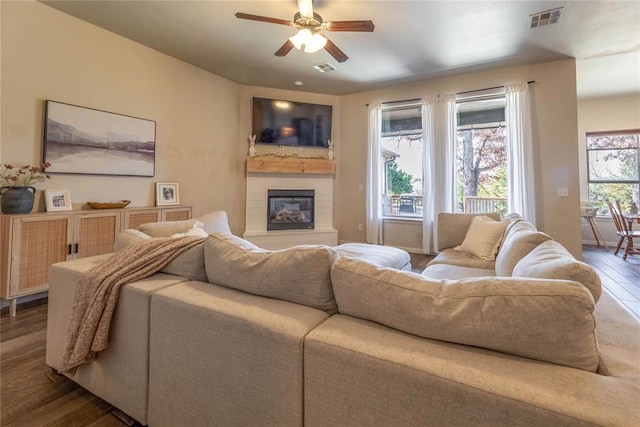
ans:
(290, 210)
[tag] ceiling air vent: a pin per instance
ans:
(325, 67)
(545, 18)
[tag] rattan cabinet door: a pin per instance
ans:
(134, 218)
(95, 233)
(34, 244)
(176, 214)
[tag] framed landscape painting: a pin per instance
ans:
(83, 140)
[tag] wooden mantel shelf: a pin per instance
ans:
(275, 164)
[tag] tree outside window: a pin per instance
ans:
(482, 156)
(613, 170)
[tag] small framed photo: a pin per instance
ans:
(57, 200)
(167, 193)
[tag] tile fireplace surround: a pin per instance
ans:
(258, 185)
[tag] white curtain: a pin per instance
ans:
(438, 164)
(521, 180)
(374, 176)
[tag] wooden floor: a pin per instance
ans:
(32, 395)
(620, 278)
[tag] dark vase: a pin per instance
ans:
(17, 200)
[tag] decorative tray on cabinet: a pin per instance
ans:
(109, 205)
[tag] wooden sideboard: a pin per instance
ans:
(31, 243)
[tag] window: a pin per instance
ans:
(613, 171)
(481, 154)
(401, 153)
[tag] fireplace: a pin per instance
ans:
(290, 210)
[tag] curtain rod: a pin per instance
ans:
(488, 88)
(398, 102)
(458, 93)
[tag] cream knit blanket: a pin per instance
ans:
(97, 293)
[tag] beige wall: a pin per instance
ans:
(603, 114)
(47, 54)
(555, 144)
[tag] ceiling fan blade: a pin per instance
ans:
(284, 49)
(334, 51)
(363, 26)
(306, 8)
(250, 17)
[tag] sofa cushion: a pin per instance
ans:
(189, 264)
(215, 221)
(483, 238)
(520, 239)
(128, 237)
(444, 271)
(552, 322)
(382, 256)
(300, 274)
(167, 228)
(462, 259)
(550, 260)
(452, 227)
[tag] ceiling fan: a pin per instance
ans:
(310, 25)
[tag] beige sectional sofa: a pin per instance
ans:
(323, 336)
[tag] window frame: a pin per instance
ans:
(476, 97)
(386, 107)
(588, 150)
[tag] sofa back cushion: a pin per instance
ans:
(550, 260)
(533, 318)
(189, 264)
(301, 274)
(520, 238)
(452, 227)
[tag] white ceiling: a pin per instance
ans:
(413, 40)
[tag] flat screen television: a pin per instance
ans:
(280, 122)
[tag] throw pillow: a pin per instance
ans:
(168, 228)
(552, 322)
(452, 227)
(195, 231)
(483, 237)
(215, 221)
(551, 260)
(300, 274)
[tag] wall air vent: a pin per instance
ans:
(545, 18)
(325, 67)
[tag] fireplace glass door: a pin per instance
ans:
(290, 210)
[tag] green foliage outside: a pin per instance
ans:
(496, 187)
(599, 193)
(399, 181)
(613, 158)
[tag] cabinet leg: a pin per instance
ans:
(13, 307)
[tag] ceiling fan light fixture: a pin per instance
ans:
(308, 41)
